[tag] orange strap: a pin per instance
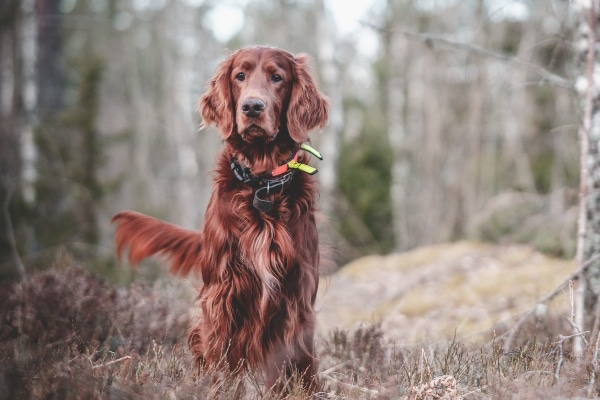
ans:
(282, 169)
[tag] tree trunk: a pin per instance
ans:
(588, 244)
(395, 56)
(11, 113)
(329, 143)
(51, 222)
(50, 70)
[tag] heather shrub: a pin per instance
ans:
(67, 334)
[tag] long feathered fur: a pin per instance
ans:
(144, 236)
(260, 270)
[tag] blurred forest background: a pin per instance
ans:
(450, 119)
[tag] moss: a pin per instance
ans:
(434, 291)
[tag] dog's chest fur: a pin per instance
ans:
(265, 259)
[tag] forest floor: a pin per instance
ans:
(453, 321)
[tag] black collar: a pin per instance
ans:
(264, 186)
(273, 183)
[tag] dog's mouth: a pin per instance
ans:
(253, 132)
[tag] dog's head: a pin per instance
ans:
(258, 92)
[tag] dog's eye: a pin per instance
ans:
(276, 78)
(241, 76)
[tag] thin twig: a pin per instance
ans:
(559, 362)
(559, 343)
(562, 338)
(112, 362)
(336, 367)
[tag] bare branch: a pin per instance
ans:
(483, 52)
(573, 277)
(559, 345)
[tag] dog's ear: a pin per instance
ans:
(308, 108)
(216, 104)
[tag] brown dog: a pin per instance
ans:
(258, 253)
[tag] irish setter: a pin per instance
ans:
(258, 252)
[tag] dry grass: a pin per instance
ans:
(66, 334)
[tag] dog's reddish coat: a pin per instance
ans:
(259, 269)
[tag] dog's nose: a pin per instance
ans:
(253, 107)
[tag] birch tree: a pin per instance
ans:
(588, 244)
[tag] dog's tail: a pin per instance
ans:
(144, 236)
